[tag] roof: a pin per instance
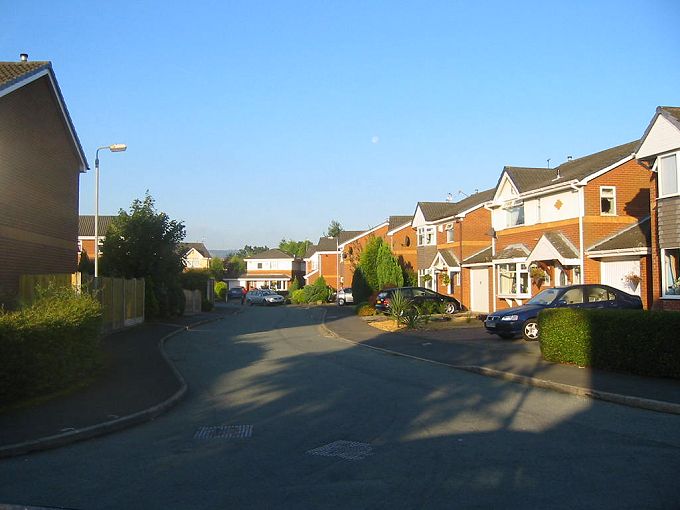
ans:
(346, 235)
(185, 248)
(672, 113)
(433, 211)
(17, 74)
(638, 235)
(481, 257)
(529, 179)
(397, 221)
(311, 250)
(514, 251)
(86, 225)
(449, 257)
(274, 253)
(562, 244)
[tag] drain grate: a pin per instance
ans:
(349, 450)
(224, 432)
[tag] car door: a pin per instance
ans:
(597, 296)
(572, 298)
(418, 295)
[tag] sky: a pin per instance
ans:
(254, 121)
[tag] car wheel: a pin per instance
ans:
(450, 308)
(530, 330)
(341, 302)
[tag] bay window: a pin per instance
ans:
(671, 272)
(426, 236)
(513, 279)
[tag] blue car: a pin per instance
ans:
(523, 320)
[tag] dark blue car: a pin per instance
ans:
(522, 320)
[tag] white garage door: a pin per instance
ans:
(479, 290)
(613, 272)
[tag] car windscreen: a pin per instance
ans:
(545, 297)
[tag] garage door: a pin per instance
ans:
(479, 290)
(613, 272)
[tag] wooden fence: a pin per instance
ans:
(122, 300)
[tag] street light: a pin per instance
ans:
(116, 147)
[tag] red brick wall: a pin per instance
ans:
(39, 179)
(398, 245)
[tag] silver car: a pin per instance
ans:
(345, 296)
(263, 297)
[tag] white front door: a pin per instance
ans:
(613, 272)
(479, 290)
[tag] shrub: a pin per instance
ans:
(360, 289)
(413, 319)
(399, 305)
(221, 290)
(318, 291)
(206, 306)
(432, 307)
(49, 346)
(297, 296)
(365, 309)
(636, 341)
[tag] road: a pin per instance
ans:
(409, 434)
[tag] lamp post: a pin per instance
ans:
(116, 147)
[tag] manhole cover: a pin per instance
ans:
(349, 450)
(224, 432)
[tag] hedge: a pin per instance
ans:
(49, 346)
(636, 341)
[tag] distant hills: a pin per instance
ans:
(221, 253)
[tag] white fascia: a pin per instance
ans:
(395, 230)
(625, 252)
(367, 232)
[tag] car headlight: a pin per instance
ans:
(510, 318)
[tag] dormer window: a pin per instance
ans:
(607, 200)
(426, 236)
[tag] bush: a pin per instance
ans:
(49, 346)
(360, 289)
(221, 291)
(399, 305)
(413, 319)
(297, 296)
(206, 306)
(432, 307)
(636, 341)
(318, 291)
(365, 309)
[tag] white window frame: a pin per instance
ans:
(613, 210)
(449, 233)
(659, 162)
(508, 215)
(518, 283)
(428, 285)
(424, 233)
(665, 284)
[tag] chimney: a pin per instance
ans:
(23, 57)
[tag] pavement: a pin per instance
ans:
(139, 382)
(473, 349)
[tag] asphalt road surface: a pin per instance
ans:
(280, 416)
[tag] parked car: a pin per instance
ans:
(523, 319)
(417, 295)
(263, 297)
(345, 296)
(235, 293)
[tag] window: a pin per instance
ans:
(573, 296)
(596, 294)
(607, 200)
(425, 278)
(449, 233)
(515, 215)
(668, 176)
(513, 279)
(576, 272)
(426, 236)
(259, 265)
(671, 272)
(407, 241)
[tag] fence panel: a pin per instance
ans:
(192, 302)
(29, 284)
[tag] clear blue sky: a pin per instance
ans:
(251, 121)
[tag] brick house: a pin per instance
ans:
(322, 259)
(86, 233)
(350, 249)
(659, 150)
(273, 269)
(401, 237)
(448, 233)
(40, 167)
(570, 224)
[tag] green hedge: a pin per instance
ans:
(49, 346)
(637, 341)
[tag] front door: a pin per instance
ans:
(479, 290)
